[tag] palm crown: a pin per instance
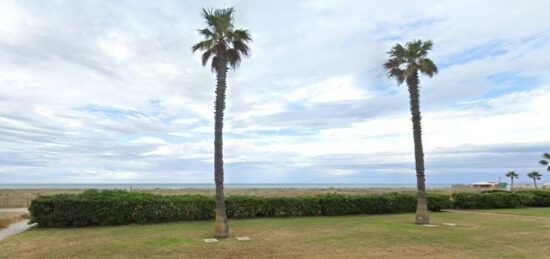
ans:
(221, 41)
(512, 174)
(405, 62)
(545, 161)
(534, 175)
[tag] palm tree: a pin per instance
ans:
(403, 64)
(545, 161)
(224, 45)
(536, 176)
(512, 175)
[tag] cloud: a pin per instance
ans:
(334, 89)
(342, 172)
(91, 92)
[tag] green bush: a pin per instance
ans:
(437, 202)
(495, 191)
(117, 207)
(255, 206)
(120, 207)
(536, 198)
(490, 200)
(495, 200)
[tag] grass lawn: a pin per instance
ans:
(475, 236)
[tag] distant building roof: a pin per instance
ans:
(484, 183)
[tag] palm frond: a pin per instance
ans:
(543, 162)
(208, 15)
(224, 19)
(234, 58)
(207, 33)
(425, 47)
(206, 56)
(214, 63)
(393, 62)
(398, 74)
(427, 67)
(242, 35)
(412, 49)
(546, 155)
(241, 47)
(397, 52)
(203, 45)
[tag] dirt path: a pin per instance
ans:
(23, 210)
(17, 227)
(14, 228)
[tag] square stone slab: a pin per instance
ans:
(429, 225)
(450, 224)
(210, 240)
(243, 238)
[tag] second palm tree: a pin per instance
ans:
(512, 175)
(404, 64)
(535, 176)
(225, 45)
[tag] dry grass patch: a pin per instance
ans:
(7, 218)
(21, 198)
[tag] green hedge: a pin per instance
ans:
(437, 202)
(117, 207)
(536, 198)
(496, 200)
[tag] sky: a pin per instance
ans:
(110, 92)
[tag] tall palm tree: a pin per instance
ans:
(404, 64)
(225, 46)
(545, 161)
(536, 176)
(512, 175)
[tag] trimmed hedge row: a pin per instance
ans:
(116, 207)
(495, 200)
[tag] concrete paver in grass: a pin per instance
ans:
(450, 224)
(429, 225)
(243, 238)
(210, 240)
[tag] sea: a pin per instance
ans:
(209, 185)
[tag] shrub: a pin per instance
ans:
(489, 200)
(495, 191)
(437, 202)
(117, 207)
(536, 198)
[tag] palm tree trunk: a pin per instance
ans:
(422, 216)
(535, 181)
(221, 228)
(512, 185)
